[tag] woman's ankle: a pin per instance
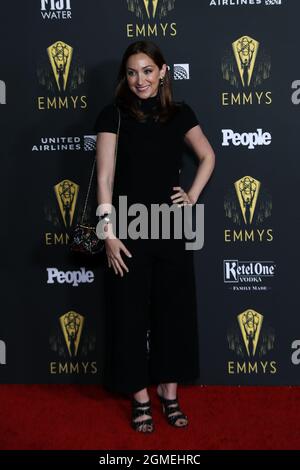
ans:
(142, 395)
(168, 390)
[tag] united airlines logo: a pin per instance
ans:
(150, 9)
(181, 71)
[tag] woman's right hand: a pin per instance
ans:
(114, 247)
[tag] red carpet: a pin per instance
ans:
(87, 417)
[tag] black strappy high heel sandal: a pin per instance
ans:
(142, 409)
(170, 409)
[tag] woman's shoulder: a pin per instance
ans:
(186, 115)
(107, 119)
(182, 106)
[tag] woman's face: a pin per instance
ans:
(143, 75)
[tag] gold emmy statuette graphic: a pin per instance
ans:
(150, 8)
(247, 190)
(250, 323)
(71, 324)
(60, 56)
(245, 51)
(66, 194)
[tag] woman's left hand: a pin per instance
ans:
(181, 197)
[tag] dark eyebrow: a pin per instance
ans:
(146, 66)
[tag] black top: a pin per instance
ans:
(149, 153)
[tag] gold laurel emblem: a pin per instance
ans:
(66, 193)
(245, 52)
(71, 324)
(247, 190)
(250, 323)
(60, 56)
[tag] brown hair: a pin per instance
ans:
(127, 99)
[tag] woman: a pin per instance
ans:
(149, 282)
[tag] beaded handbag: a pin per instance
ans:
(84, 238)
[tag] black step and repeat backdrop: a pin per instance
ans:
(236, 63)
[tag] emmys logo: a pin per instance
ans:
(250, 323)
(64, 76)
(246, 139)
(56, 9)
(2, 352)
(181, 71)
(2, 92)
(60, 56)
(247, 190)
(246, 65)
(66, 344)
(71, 324)
(241, 206)
(74, 278)
(296, 94)
(253, 344)
(151, 13)
(66, 194)
(247, 275)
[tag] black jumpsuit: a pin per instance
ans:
(151, 317)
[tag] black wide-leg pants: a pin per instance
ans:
(157, 294)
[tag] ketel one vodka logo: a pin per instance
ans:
(248, 206)
(246, 66)
(74, 345)
(255, 276)
(61, 212)
(61, 75)
(151, 14)
(251, 344)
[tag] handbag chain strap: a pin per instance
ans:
(93, 169)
